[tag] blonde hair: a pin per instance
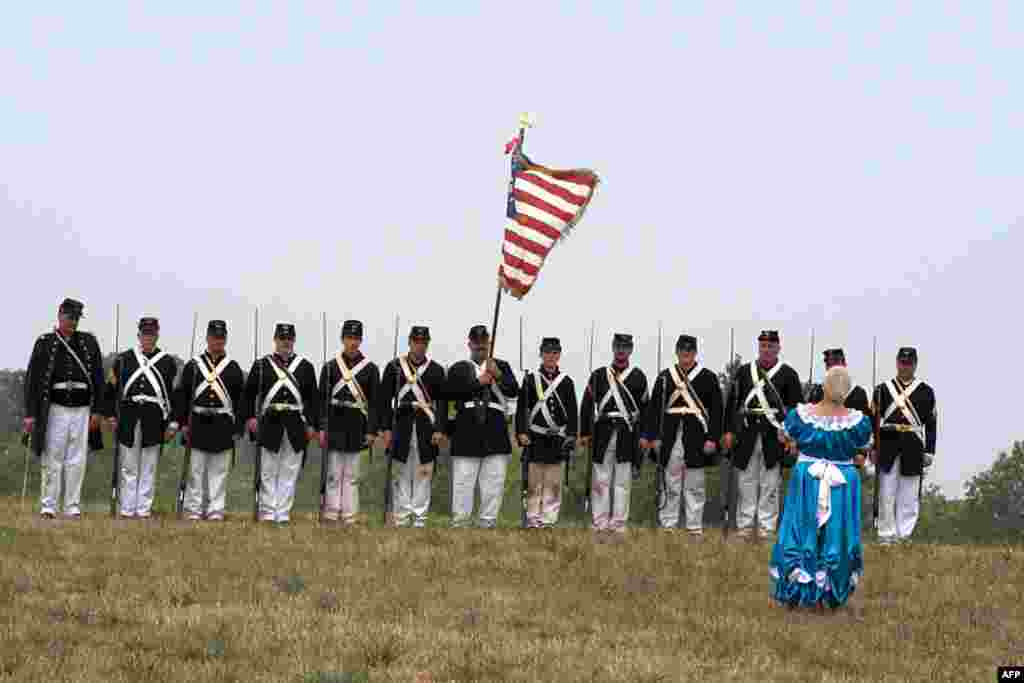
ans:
(837, 385)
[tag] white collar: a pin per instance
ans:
(829, 423)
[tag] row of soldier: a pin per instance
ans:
(681, 422)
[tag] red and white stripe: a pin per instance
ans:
(548, 204)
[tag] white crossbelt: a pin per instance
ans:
(758, 392)
(501, 404)
(542, 408)
(284, 379)
(614, 394)
(692, 407)
(901, 401)
(412, 384)
(155, 380)
(830, 476)
(348, 380)
(77, 360)
(212, 380)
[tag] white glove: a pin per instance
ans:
(869, 469)
(928, 458)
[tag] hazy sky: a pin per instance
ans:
(855, 170)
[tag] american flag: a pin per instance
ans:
(543, 206)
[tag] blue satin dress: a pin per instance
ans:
(817, 557)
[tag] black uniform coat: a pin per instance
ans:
(51, 364)
(431, 377)
(746, 427)
(274, 424)
(906, 445)
(626, 447)
(346, 426)
(210, 432)
(150, 415)
(707, 389)
(547, 449)
(857, 399)
(471, 437)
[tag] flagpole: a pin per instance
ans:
(494, 327)
(520, 343)
(523, 123)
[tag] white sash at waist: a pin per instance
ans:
(829, 476)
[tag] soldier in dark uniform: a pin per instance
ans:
(764, 391)
(417, 424)
(282, 409)
(858, 396)
(141, 382)
(63, 399)
(682, 428)
(546, 427)
(908, 432)
(618, 395)
(350, 385)
(481, 388)
(207, 406)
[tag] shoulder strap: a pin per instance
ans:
(67, 347)
(615, 385)
(541, 407)
(284, 379)
(155, 380)
(412, 383)
(212, 379)
(684, 389)
(348, 379)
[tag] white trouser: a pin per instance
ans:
(690, 483)
(215, 467)
(138, 475)
(616, 478)
(411, 487)
(898, 505)
(67, 447)
(342, 486)
(279, 472)
(544, 494)
(758, 492)
(489, 474)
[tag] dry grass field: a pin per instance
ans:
(99, 600)
(106, 600)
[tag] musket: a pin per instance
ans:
(115, 484)
(394, 354)
(258, 456)
(762, 375)
(524, 466)
(570, 455)
(659, 469)
(588, 504)
(524, 470)
(727, 488)
(388, 484)
(521, 344)
(25, 440)
(187, 463)
(326, 449)
(876, 396)
(810, 372)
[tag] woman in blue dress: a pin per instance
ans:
(817, 560)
